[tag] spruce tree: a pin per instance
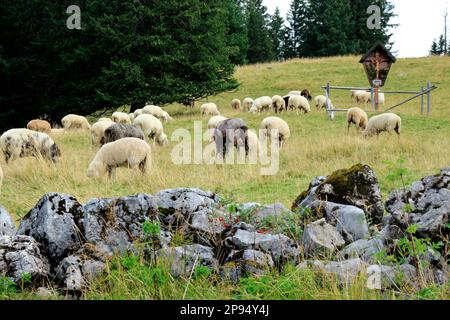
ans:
(434, 48)
(276, 30)
(260, 47)
(298, 17)
(237, 32)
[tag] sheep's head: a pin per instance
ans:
(94, 170)
(54, 152)
(162, 140)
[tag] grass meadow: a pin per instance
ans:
(317, 146)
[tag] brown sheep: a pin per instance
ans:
(39, 126)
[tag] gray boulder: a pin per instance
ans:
(112, 225)
(349, 221)
(183, 202)
(246, 262)
(7, 226)
(20, 256)
(381, 277)
(357, 186)
(364, 249)
(425, 203)
(321, 239)
(70, 274)
(279, 246)
(55, 223)
(183, 259)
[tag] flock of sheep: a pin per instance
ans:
(121, 139)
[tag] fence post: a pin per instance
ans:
(428, 98)
(421, 100)
(372, 98)
(327, 94)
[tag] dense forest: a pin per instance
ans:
(133, 52)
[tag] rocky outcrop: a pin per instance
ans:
(425, 203)
(68, 244)
(357, 186)
(55, 224)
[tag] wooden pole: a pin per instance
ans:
(428, 98)
(421, 100)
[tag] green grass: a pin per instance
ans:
(317, 147)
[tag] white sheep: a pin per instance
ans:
(360, 96)
(98, 131)
(278, 104)
(247, 104)
(152, 128)
(131, 115)
(157, 112)
(261, 104)
(73, 121)
(358, 117)
(20, 143)
(133, 153)
(386, 122)
(236, 104)
(121, 117)
(104, 119)
(297, 102)
(1, 179)
(271, 124)
(321, 102)
(209, 109)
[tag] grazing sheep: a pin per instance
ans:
(386, 122)
(152, 128)
(299, 103)
(231, 132)
(127, 152)
(236, 104)
(253, 110)
(359, 96)
(39, 126)
(20, 143)
(358, 117)
(73, 121)
(121, 117)
(262, 104)
(157, 112)
(98, 131)
(275, 123)
(247, 104)
(278, 104)
(209, 109)
(119, 131)
(321, 102)
(1, 179)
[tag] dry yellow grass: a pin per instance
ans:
(317, 146)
